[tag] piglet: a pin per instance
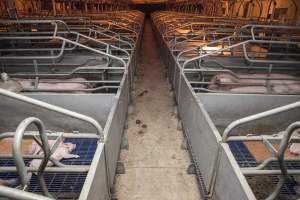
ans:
(63, 151)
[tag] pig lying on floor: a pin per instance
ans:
(63, 151)
(17, 85)
(277, 86)
(28, 84)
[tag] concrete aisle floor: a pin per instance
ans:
(155, 164)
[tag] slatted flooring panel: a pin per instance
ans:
(246, 159)
(62, 185)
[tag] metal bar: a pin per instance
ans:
(12, 193)
(17, 153)
(271, 138)
(55, 57)
(57, 109)
(249, 172)
(268, 161)
(250, 118)
(280, 157)
(70, 169)
(29, 134)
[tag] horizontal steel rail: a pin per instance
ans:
(57, 109)
(12, 193)
(57, 32)
(64, 40)
(242, 44)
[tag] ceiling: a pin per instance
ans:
(147, 1)
(153, 1)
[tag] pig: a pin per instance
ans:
(63, 151)
(28, 84)
(289, 88)
(35, 149)
(254, 78)
(224, 78)
(277, 86)
(250, 89)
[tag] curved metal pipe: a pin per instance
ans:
(280, 157)
(18, 158)
(261, 115)
(12, 193)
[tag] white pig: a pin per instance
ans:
(278, 86)
(250, 89)
(63, 151)
(27, 84)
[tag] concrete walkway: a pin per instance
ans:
(155, 164)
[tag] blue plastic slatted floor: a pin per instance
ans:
(64, 185)
(246, 159)
(242, 155)
(85, 148)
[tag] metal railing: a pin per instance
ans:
(24, 172)
(278, 155)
